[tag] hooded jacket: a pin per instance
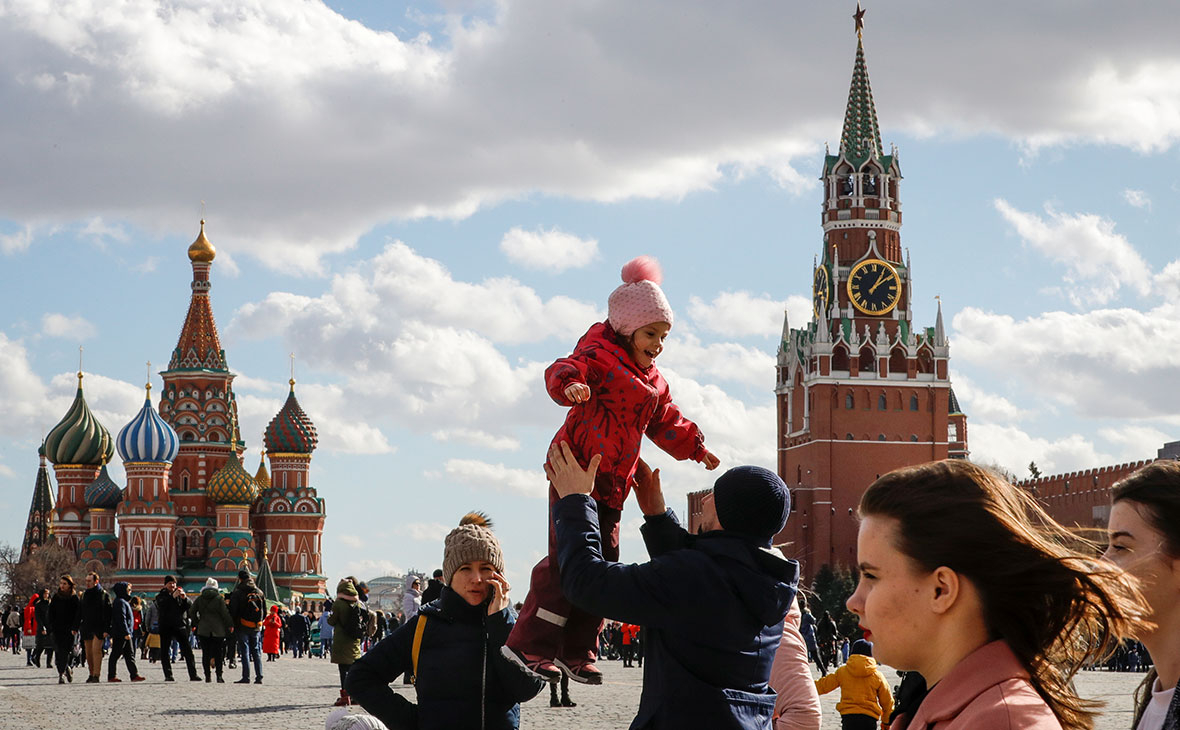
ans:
(272, 627)
(987, 688)
(237, 603)
(210, 614)
(459, 664)
(626, 401)
(712, 608)
(29, 627)
(122, 618)
(863, 688)
(346, 648)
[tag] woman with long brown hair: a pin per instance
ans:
(1145, 541)
(965, 579)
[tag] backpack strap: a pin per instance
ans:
(417, 648)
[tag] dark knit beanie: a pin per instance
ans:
(752, 501)
(169, 579)
(862, 647)
(472, 540)
(243, 575)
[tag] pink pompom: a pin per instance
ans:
(642, 268)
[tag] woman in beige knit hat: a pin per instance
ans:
(452, 647)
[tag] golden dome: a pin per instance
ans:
(201, 249)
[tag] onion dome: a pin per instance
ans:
(232, 484)
(291, 431)
(148, 437)
(79, 438)
(200, 249)
(102, 492)
(261, 477)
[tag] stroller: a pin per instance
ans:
(316, 647)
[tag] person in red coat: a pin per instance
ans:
(615, 395)
(272, 627)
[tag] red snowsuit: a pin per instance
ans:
(272, 627)
(625, 403)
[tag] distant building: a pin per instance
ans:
(189, 507)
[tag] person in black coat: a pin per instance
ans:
(434, 588)
(712, 605)
(172, 605)
(63, 624)
(122, 626)
(462, 680)
(297, 630)
(94, 615)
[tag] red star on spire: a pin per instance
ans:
(859, 17)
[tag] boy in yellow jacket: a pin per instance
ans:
(864, 694)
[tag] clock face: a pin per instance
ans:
(874, 287)
(821, 291)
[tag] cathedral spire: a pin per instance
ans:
(199, 347)
(861, 137)
(37, 528)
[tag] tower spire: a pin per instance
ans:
(199, 346)
(861, 136)
(939, 330)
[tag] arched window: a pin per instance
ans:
(882, 404)
(848, 437)
(849, 402)
(913, 437)
(914, 407)
(880, 437)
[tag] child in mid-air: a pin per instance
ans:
(616, 395)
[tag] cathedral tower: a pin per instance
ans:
(37, 527)
(78, 446)
(860, 390)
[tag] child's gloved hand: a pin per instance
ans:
(577, 392)
(711, 461)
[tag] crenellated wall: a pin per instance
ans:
(1080, 498)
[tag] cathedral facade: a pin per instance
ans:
(189, 507)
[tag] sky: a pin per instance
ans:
(427, 203)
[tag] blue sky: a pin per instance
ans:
(429, 203)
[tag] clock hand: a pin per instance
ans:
(873, 288)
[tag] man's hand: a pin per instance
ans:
(711, 461)
(647, 490)
(577, 392)
(564, 473)
(499, 598)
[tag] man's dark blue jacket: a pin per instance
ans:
(711, 606)
(122, 618)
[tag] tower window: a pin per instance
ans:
(881, 403)
(914, 407)
(913, 437)
(849, 402)
(848, 437)
(880, 437)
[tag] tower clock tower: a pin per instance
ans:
(860, 390)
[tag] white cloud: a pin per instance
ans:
(592, 101)
(75, 328)
(985, 407)
(738, 314)
(22, 394)
(5, 471)
(367, 569)
(99, 231)
(1013, 449)
(425, 531)
(16, 242)
(475, 437)
(352, 541)
(1137, 198)
(551, 250)
(475, 473)
(1098, 261)
(1167, 282)
(724, 361)
(1136, 442)
(1108, 363)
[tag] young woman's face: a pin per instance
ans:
(885, 599)
(647, 342)
(1139, 549)
(470, 581)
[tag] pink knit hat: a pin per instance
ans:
(639, 301)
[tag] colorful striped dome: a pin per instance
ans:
(232, 484)
(291, 431)
(79, 438)
(103, 492)
(148, 437)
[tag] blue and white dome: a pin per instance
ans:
(148, 437)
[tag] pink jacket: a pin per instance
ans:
(987, 689)
(797, 705)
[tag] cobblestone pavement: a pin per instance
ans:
(297, 693)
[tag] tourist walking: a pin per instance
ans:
(452, 648)
(94, 616)
(298, 628)
(434, 587)
(978, 603)
(712, 604)
(247, 608)
(349, 622)
(172, 606)
(865, 698)
(210, 617)
(12, 628)
(272, 627)
(327, 631)
(1145, 542)
(43, 642)
(122, 626)
(63, 622)
(796, 703)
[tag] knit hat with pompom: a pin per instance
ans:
(472, 540)
(639, 301)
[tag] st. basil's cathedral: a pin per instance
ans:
(189, 507)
